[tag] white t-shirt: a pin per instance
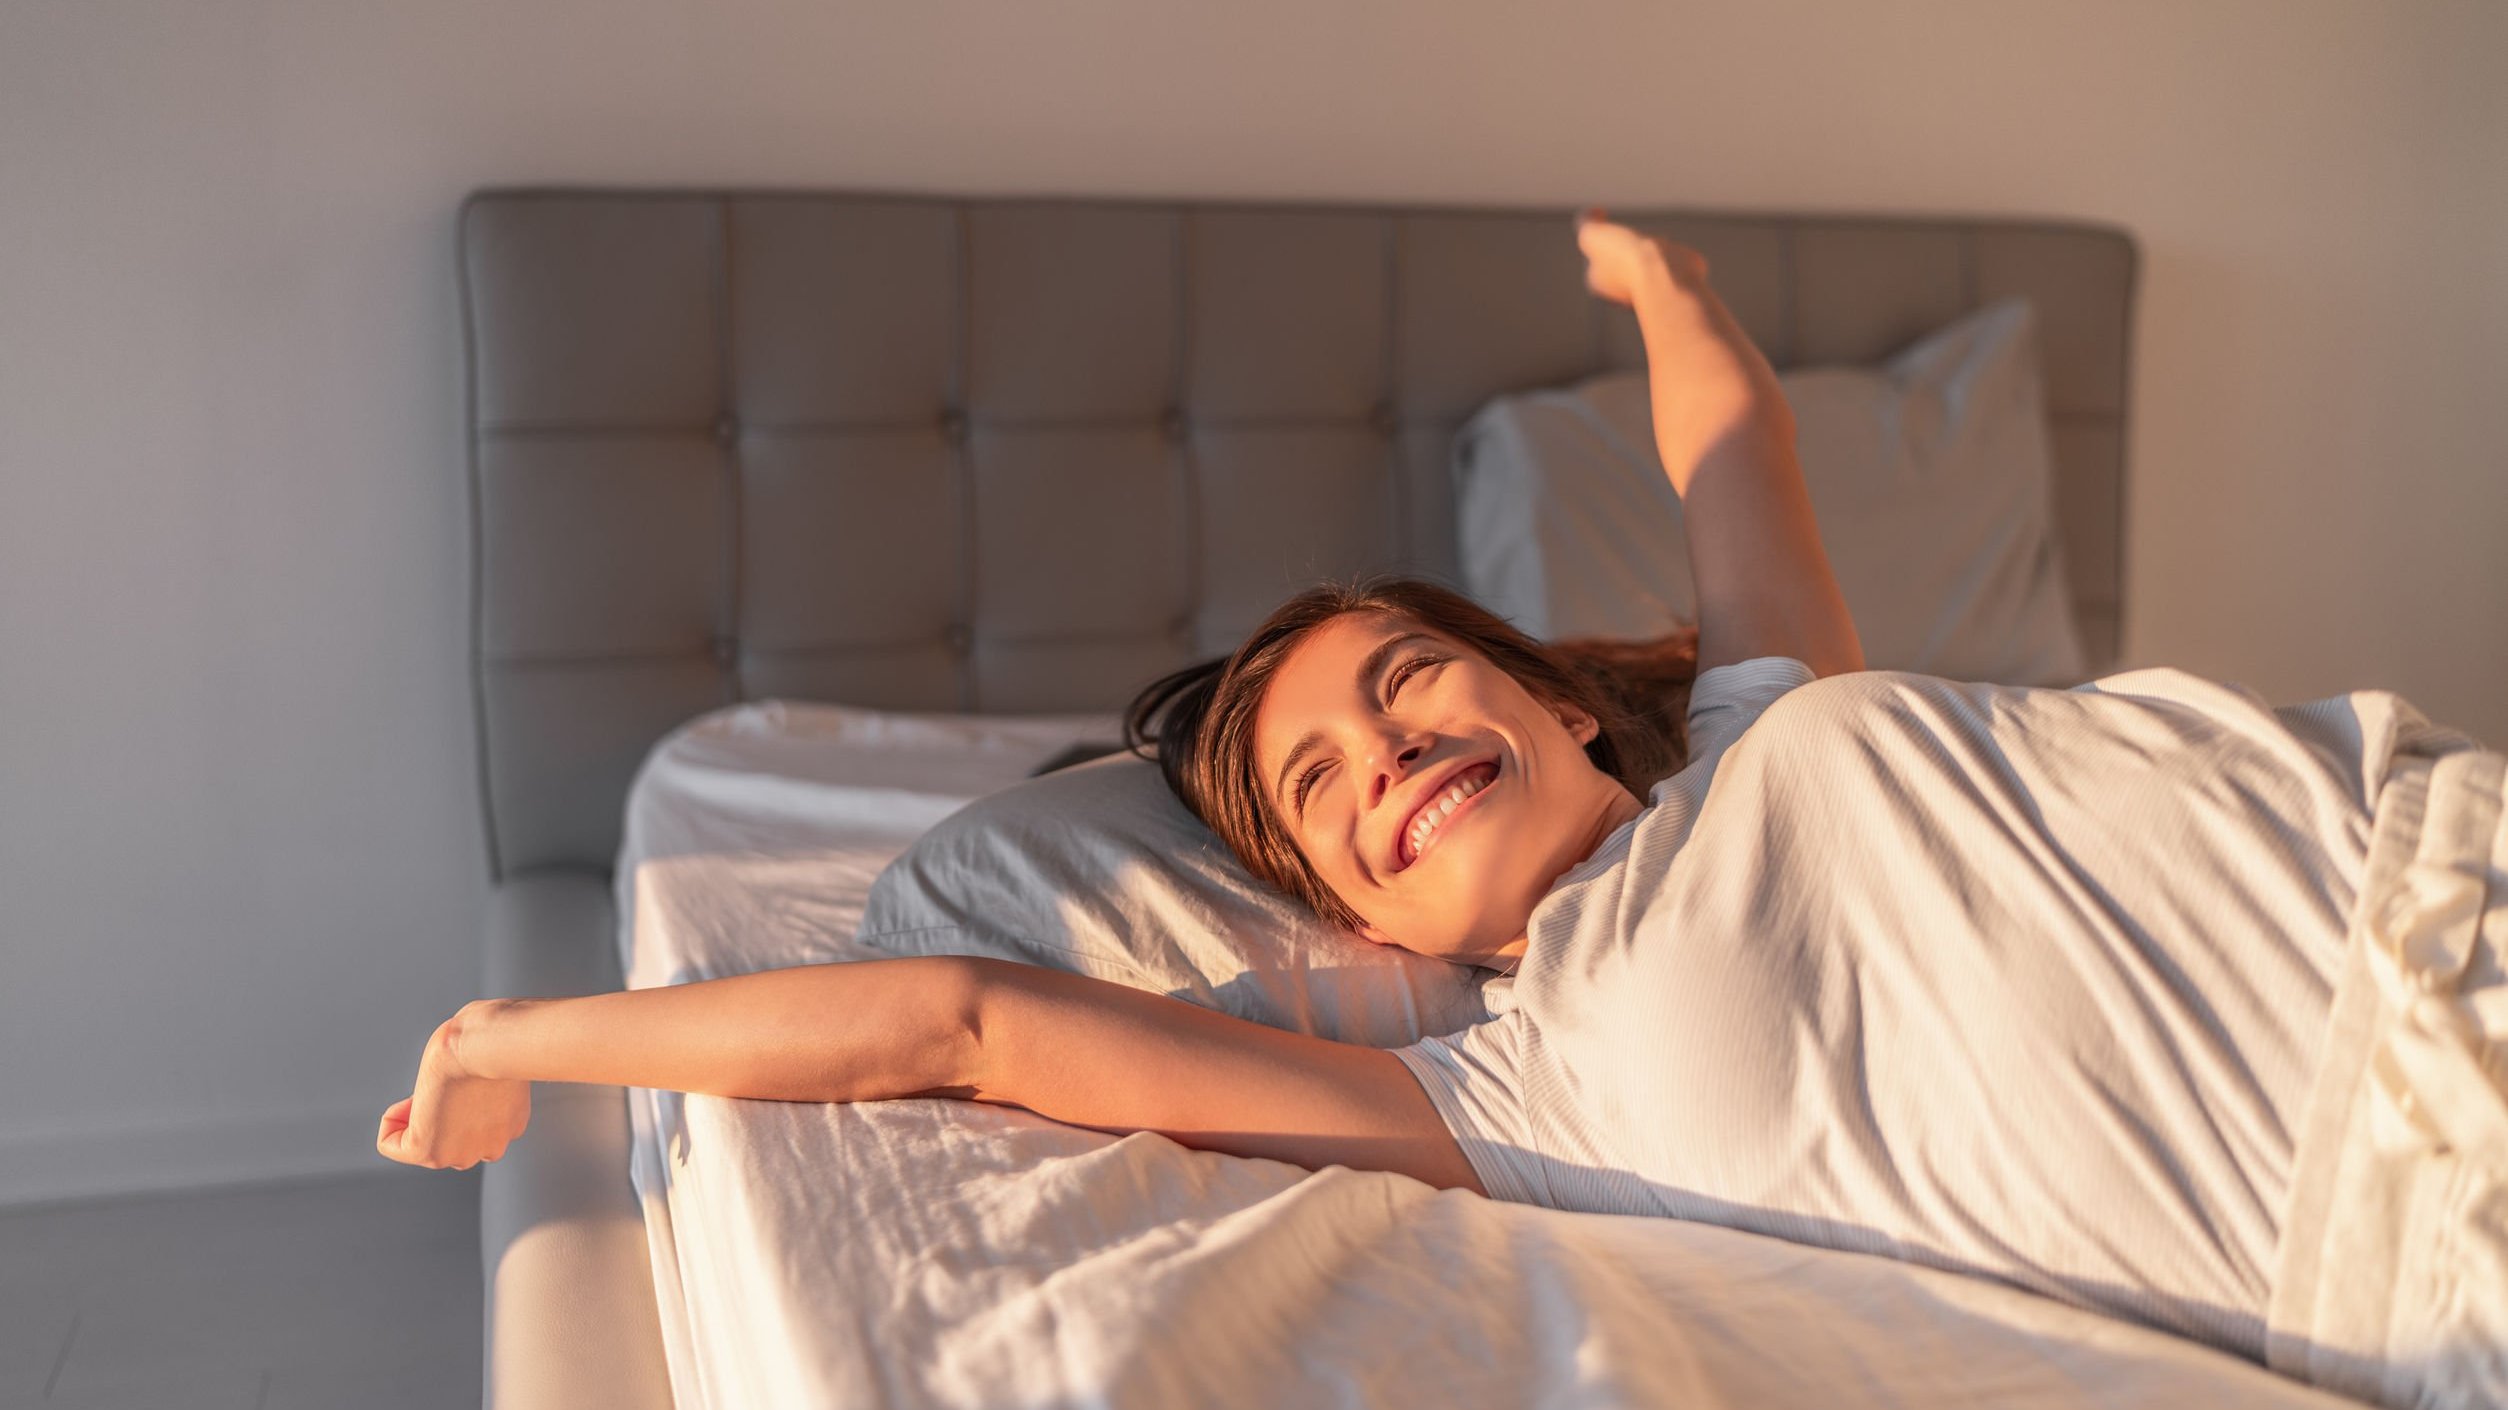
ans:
(2023, 983)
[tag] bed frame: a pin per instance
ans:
(1006, 455)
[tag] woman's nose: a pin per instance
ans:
(1394, 762)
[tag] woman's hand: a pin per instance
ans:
(1618, 260)
(452, 1119)
(1711, 387)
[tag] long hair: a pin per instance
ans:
(1201, 719)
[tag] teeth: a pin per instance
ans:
(1439, 811)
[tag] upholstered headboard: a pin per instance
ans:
(1022, 455)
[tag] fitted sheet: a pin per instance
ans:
(929, 1252)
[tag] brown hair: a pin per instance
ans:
(1201, 719)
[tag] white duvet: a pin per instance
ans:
(928, 1252)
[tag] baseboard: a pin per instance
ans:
(79, 1165)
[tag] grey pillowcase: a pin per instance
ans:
(1100, 870)
(1931, 476)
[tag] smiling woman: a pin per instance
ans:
(1413, 767)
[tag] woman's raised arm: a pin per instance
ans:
(1079, 1050)
(1726, 437)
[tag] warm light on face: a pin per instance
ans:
(1435, 795)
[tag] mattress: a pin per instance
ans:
(937, 1253)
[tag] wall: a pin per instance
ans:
(240, 874)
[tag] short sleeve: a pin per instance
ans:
(1475, 1080)
(1724, 701)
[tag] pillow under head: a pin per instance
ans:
(1099, 870)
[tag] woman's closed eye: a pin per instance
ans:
(1306, 783)
(1403, 672)
(1394, 681)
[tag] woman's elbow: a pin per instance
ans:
(971, 1005)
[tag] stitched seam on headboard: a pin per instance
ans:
(727, 645)
(961, 439)
(1597, 327)
(478, 530)
(1397, 464)
(1791, 284)
(2124, 446)
(1187, 464)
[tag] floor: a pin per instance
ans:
(351, 1293)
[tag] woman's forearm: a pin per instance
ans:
(1726, 437)
(816, 1033)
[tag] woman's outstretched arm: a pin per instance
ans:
(1102, 1055)
(1076, 1049)
(1726, 437)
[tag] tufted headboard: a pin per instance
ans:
(1009, 455)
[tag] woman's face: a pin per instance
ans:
(1436, 796)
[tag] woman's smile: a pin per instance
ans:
(1449, 798)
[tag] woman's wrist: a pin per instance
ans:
(469, 1045)
(1669, 290)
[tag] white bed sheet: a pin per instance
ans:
(928, 1252)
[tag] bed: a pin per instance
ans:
(1013, 457)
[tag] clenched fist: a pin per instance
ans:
(1618, 259)
(453, 1119)
(1711, 388)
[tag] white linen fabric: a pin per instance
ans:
(1101, 870)
(1931, 478)
(2394, 1268)
(925, 1252)
(752, 837)
(2030, 984)
(794, 810)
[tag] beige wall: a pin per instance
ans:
(240, 875)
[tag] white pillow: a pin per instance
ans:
(1099, 870)
(1931, 477)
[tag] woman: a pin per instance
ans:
(2058, 987)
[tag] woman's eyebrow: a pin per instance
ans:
(1368, 670)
